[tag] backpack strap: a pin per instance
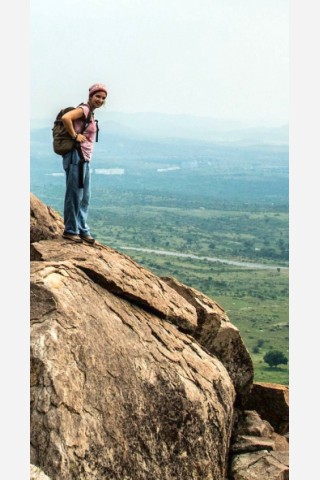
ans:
(78, 145)
(97, 129)
(88, 120)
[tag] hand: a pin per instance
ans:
(80, 138)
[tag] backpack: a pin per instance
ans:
(62, 141)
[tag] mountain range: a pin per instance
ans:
(156, 126)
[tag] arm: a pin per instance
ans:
(68, 119)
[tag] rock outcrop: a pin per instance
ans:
(45, 222)
(216, 333)
(271, 401)
(257, 451)
(133, 377)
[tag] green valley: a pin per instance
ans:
(178, 209)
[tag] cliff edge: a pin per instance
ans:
(137, 377)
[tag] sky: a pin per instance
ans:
(220, 58)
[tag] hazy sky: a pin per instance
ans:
(219, 58)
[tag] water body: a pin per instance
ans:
(109, 171)
(259, 266)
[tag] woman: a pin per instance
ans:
(82, 127)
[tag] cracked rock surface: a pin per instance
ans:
(119, 387)
(118, 392)
(133, 376)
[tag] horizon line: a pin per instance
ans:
(253, 122)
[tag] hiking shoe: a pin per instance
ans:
(72, 237)
(87, 239)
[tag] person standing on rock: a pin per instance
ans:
(76, 164)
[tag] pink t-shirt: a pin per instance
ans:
(89, 133)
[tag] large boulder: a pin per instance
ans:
(135, 377)
(118, 392)
(119, 387)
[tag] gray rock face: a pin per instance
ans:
(133, 377)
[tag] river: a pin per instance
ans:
(260, 266)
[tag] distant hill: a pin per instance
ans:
(156, 126)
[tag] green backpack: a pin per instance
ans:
(62, 141)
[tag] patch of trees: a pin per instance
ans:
(274, 358)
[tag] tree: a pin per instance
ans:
(274, 358)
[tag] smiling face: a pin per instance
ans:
(97, 99)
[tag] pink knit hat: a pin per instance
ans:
(97, 87)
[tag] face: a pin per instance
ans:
(98, 99)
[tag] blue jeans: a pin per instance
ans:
(76, 201)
